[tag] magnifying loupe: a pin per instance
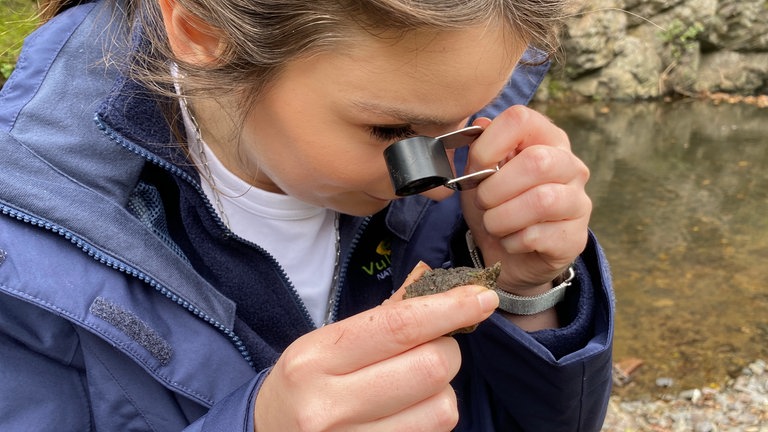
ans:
(418, 164)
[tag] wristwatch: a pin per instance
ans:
(523, 305)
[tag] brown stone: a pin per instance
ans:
(440, 280)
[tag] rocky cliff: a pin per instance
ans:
(646, 49)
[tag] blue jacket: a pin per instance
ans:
(126, 305)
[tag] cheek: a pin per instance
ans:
(439, 193)
(311, 155)
(336, 163)
(343, 154)
(355, 168)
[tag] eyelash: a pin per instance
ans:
(391, 133)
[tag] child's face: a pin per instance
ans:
(319, 132)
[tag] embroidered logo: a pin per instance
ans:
(380, 266)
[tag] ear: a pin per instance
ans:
(192, 39)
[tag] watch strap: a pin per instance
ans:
(522, 305)
(525, 305)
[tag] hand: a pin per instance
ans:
(385, 369)
(532, 215)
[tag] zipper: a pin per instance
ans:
(174, 170)
(122, 267)
(333, 306)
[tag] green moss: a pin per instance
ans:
(19, 19)
(681, 37)
(556, 88)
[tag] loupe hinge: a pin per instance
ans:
(469, 181)
(460, 138)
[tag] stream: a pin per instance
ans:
(680, 195)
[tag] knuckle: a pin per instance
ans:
(529, 239)
(311, 420)
(539, 160)
(434, 366)
(446, 412)
(401, 323)
(292, 367)
(543, 198)
(584, 172)
(516, 114)
(306, 421)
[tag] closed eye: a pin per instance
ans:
(391, 133)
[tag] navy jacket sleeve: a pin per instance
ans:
(511, 381)
(233, 413)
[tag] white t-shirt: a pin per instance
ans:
(301, 237)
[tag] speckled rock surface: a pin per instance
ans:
(440, 280)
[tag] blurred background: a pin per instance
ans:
(667, 103)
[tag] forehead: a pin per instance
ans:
(467, 66)
(432, 76)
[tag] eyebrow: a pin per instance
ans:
(406, 117)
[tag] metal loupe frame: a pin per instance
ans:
(418, 164)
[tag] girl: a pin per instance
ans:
(199, 232)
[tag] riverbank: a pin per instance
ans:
(624, 50)
(741, 404)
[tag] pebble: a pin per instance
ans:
(664, 382)
(741, 405)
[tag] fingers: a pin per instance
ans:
(557, 241)
(388, 367)
(540, 182)
(438, 413)
(539, 165)
(533, 214)
(539, 185)
(395, 327)
(401, 381)
(512, 131)
(537, 196)
(406, 390)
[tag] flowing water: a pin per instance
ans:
(680, 193)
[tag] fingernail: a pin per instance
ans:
(488, 299)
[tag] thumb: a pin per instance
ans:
(420, 268)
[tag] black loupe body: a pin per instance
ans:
(417, 164)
